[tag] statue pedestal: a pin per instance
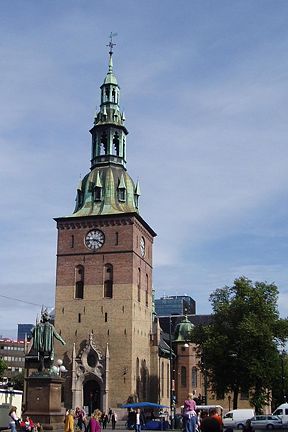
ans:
(43, 401)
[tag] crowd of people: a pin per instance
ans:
(78, 420)
(196, 420)
(24, 425)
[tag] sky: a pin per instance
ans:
(204, 87)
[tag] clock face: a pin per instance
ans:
(94, 239)
(142, 246)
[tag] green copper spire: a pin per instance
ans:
(108, 189)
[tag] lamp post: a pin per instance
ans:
(283, 376)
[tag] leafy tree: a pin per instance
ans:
(239, 346)
(18, 381)
(3, 367)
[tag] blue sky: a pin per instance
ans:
(204, 87)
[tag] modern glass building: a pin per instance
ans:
(175, 305)
(24, 329)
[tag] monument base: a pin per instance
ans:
(43, 400)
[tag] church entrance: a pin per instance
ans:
(91, 393)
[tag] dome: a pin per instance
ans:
(110, 180)
(183, 331)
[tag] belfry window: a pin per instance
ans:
(113, 95)
(116, 144)
(79, 282)
(108, 281)
(103, 145)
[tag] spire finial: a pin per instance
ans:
(111, 45)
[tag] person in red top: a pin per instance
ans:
(214, 414)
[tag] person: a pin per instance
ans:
(14, 419)
(110, 412)
(189, 414)
(248, 427)
(27, 425)
(209, 423)
(43, 340)
(104, 420)
(94, 423)
(69, 421)
(214, 414)
(138, 420)
(80, 417)
(114, 419)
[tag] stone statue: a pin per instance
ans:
(43, 341)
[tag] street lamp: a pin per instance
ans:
(283, 353)
(171, 373)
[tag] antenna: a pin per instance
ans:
(111, 44)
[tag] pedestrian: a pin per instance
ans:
(14, 419)
(80, 418)
(114, 419)
(94, 423)
(214, 414)
(110, 412)
(248, 427)
(69, 421)
(209, 423)
(104, 420)
(138, 421)
(189, 414)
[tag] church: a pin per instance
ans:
(104, 303)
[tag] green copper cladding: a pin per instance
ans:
(108, 189)
(183, 331)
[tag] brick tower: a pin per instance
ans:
(104, 273)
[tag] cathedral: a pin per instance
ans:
(104, 303)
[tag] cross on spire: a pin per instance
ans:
(111, 44)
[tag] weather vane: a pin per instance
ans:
(111, 44)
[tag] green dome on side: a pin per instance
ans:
(183, 331)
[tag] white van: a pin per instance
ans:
(238, 417)
(282, 412)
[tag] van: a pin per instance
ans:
(282, 412)
(238, 417)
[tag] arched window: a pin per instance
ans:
(162, 379)
(103, 144)
(183, 376)
(144, 379)
(168, 381)
(113, 95)
(79, 282)
(194, 377)
(147, 290)
(139, 285)
(116, 144)
(108, 281)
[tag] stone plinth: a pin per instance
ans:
(43, 400)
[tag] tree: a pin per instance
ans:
(18, 381)
(239, 346)
(3, 367)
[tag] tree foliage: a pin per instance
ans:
(3, 367)
(239, 347)
(18, 381)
